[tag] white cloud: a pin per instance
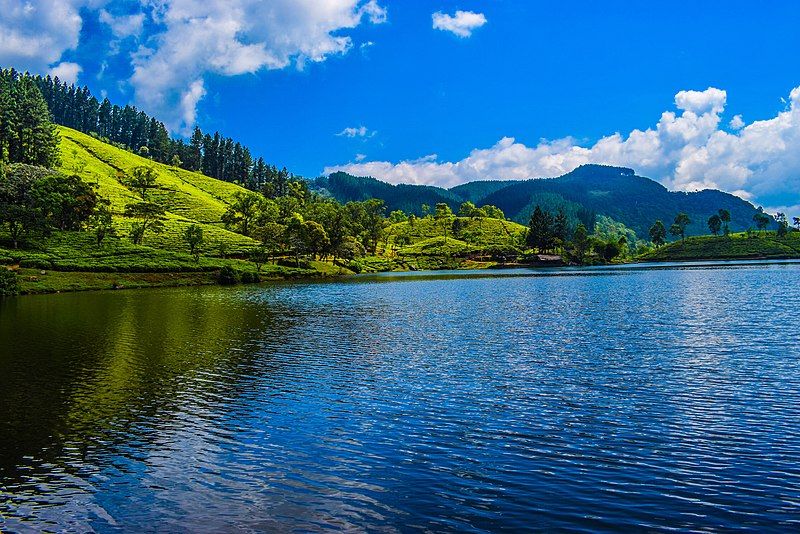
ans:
(737, 123)
(35, 33)
(361, 131)
(361, 157)
(461, 24)
(123, 25)
(66, 72)
(231, 37)
(685, 151)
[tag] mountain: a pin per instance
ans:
(615, 192)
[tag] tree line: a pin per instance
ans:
(132, 129)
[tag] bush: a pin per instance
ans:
(250, 278)
(9, 285)
(36, 264)
(228, 276)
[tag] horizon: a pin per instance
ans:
(459, 101)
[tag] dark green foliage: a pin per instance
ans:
(26, 133)
(658, 233)
(9, 285)
(678, 228)
(408, 198)
(35, 200)
(250, 278)
(761, 220)
(540, 230)
(783, 224)
(715, 224)
(228, 276)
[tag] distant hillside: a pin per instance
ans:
(477, 191)
(622, 195)
(615, 192)
(409, 198)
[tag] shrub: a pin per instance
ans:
(228, 276)
(9, 285)
(250, 278)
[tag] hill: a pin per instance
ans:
(734, 247)
(589, 190)
(190, 198)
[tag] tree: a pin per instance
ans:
(20, 212)
(540, 230)
(678, 228)
(783, 224)
(610, 250)
(271, 236)
(580, 240)
(468, 209)
(715, 224)
(194, 238)
(142, 180)
(315, 238)
(26, 132)
(492, 212)
(67, 201)
(658, 233)
(151, 218)
(560, 226)
(243, 212)
(102, 222)
(762, 220)
(443, 215)
(725, 217)
(259, 256)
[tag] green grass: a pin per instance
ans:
(71, 261)
(735, 246)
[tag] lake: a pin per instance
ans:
(640, 397)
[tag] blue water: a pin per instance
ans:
(634, 398)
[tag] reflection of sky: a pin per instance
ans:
(623, 398)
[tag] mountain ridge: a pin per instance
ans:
(616, 192)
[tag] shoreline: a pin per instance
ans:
(37, 282)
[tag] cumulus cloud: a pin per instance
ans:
(35, 33)
(462, 23)
(231, 37)
(686, 150)
(361, 131)
(737, 123)
(66, 72)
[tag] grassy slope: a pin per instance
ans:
(737, 246)
(72, 261)
(426, 247)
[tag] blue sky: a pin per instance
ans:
(494, 89)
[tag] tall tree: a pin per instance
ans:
(715, 224)
(658, 233)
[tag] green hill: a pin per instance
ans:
(191, 198)
(587, 191)
(734, 247)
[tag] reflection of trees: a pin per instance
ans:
(80, 369)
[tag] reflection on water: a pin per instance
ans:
(637, 397)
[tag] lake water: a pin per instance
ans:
(628, 398)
